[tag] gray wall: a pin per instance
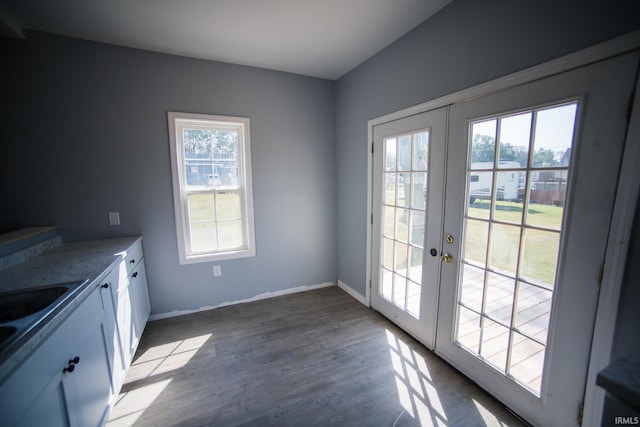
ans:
(467, 43)
(84, 132)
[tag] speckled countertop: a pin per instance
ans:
(65, 263)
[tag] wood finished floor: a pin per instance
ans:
(309, 359)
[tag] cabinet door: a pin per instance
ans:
(125, 321)
(114, 347)
(142, 305)
(49, 409)
(88, 387)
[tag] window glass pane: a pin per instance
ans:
(554, 136)
(514, 141)
(540, 256)
(228, 206)
(480, 192)
(203, 236)
(421, 151)
(201, 207)
(483, 144)
(230, 234)
(197, 157)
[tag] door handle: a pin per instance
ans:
(447, 258)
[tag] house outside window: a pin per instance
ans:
(212, 195)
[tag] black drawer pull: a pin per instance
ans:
(135, 274)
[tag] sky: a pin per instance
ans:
(553, 129)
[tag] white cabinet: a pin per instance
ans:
(112, 338)
(67, 380)
(72, 376)
(140, 301)
(131, 295)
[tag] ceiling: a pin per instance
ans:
(320, 38)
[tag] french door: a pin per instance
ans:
(409, 157)
(517, 212)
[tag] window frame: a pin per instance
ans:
(177, 122)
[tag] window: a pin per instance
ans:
(211, 171)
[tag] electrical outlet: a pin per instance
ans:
(217, 271)
(114, 218)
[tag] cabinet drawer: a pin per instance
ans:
(133, 256)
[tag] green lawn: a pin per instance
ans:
(540, 247)
(215, 223)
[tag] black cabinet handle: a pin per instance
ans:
(133, 261)
(72, 364)
(135, 274)
(105, 286)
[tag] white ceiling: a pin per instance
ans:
(321, 38)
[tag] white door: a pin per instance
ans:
(517, 213)
(531, 179)
(408, 180)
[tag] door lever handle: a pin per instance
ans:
(447, 258)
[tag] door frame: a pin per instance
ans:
(626, 198)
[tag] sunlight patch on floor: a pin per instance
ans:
(157, 360)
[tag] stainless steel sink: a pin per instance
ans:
(6, 332)
(24, 311)
(16, 305)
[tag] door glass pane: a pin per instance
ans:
(480, 188)
(505, 242)
(495, 341)
(483, 144)
(421, 151)
(509, 205)
(468, 331)
(404, 214)
(472, 287)
(512, 233)
(554, 136)
(515, 131)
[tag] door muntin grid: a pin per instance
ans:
(517, 176)
(404, 210)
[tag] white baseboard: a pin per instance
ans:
(348, 289)
(259, 297)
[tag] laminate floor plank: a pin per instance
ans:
(309, 359)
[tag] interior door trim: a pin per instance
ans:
(624, 204)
